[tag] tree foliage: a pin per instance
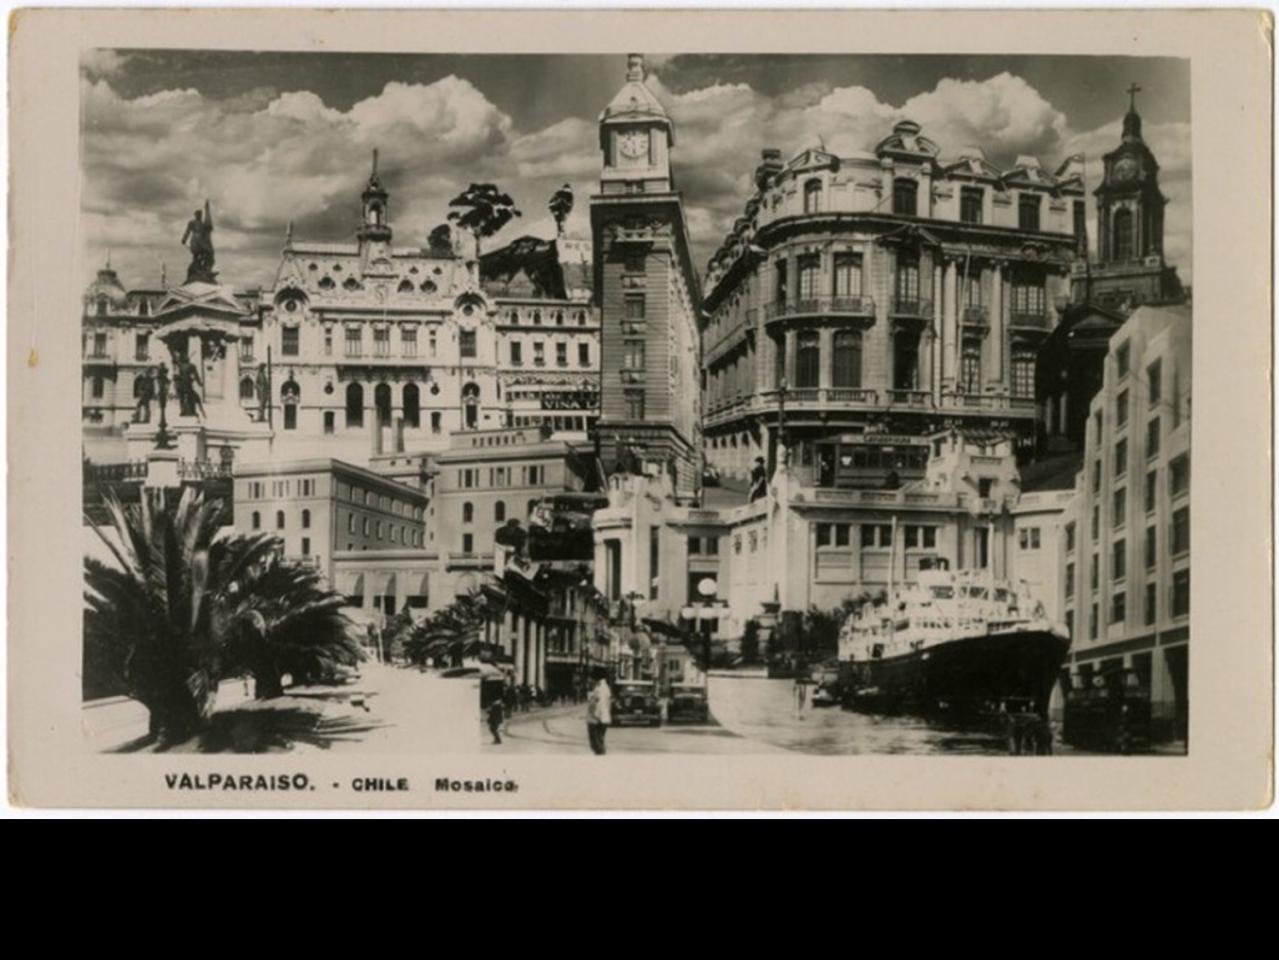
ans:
(183, 605)
(561, 205)
(450, 632)
(483, 210)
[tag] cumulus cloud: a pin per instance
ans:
(267, 157)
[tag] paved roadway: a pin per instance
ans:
(563, 730)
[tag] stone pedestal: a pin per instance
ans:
(162, 469)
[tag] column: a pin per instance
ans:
(519, 651)
(950, 344)
(540, 659)
(826, 347)
(995, 342)
(790, 359)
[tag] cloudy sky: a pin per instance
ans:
(274, 137)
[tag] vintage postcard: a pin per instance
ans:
(577, 409)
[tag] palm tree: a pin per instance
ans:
(185, 605)
(561, 205)
(485, 211)
(148, 616)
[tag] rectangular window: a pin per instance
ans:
(408, 341)
(381, 341)
(1121, 359)
(848, 275)
(561, 354)
(1080, 223)
(907, 280)
(1096, 520)
(289, 341)
(1028, 211)
(1028, 295)
(328, 342)
(1070, 580)
(1119, 560)
(1121, 409)
(634, 404)
(517, 353)
(1152, 603)
(99, 345)
(1118, 607)
(246, 349)
(654, 561)
(694, 546)
(353, 346)
(1179, 476)
(468, 542)
(1121, 458)
(1154, 383)
(142, 349)
(1096, 476)
(584, 354)
(633, 262)
(1094, 572)
(635, 306)
(905, 192)
(809, 271)
(1180, 531)
(98, 388)
(466, 344)
(1118, 507)
(1070, 538)
(970, 199)
(1152, 438)
(1181, 593)
(779, 282)
(306, 546)
(1151, 548)
(1152, 490)
(1092, 623)
(539, 353)
(633, 355)
(435, 422)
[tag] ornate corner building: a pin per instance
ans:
(647, 291)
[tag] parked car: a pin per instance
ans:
(635, 702)
(1109, 712)
(688, 705)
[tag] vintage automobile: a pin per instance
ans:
(635, 702)
(688, 705)
(1109, 712)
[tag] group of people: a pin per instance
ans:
(599, 709)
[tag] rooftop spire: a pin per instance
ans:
(635, 68)
(1132, 119)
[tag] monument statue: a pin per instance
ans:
(145, 391)
(163, 439)
(187, 380)
(199, 232)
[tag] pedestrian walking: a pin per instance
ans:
(599, 711)
(496, 717)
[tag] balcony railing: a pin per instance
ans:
(820, 306)
(917, 309)
(910, 398)
(1031, 319)
(204, 469)
(134, 470)
(851, 395)
(975, 315)
(988, 403)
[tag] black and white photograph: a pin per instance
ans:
(607, 403)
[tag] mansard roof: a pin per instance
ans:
(907, 139)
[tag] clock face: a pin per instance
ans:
(633, 144)
(1126, 170)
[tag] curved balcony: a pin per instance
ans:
(850, 306)
(976, 315)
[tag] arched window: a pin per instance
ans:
(412, 405)
(382, 402)
(1123, 225)
(355, 405)
(291, 394)
(306, 519)
(1023, 372)
(537, 317)
(279, 519)
(813, 196)
(904, 193)
(471, 405)
(246, 388)
(257, 520)
(559, 318)
(406, 286)
(364, 526)
(807, 358)
(499, 512)
(847, 370)
(468, 512)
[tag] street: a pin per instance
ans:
(563, 730)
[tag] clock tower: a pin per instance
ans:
(636, 137)
(648, 296)
(1128, 266)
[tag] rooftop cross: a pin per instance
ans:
(1132, 97)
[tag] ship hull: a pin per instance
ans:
(971, 674)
